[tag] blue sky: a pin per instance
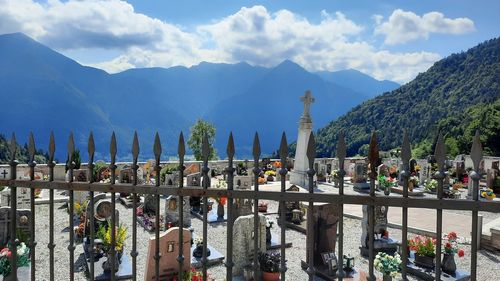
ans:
(386, 39)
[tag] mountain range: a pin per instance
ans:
(42, 90)
(457, 96)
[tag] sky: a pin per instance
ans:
(393, 40)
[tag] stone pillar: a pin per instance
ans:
(298, 175)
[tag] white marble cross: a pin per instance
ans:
(307, 99)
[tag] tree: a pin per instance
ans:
(196, 133)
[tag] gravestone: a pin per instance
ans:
(23, 219)
(243, 243)
(172, 179)
(172, 211)
(126, 175)
(298, 175)
(359, 177)
(381, 244)
(4, 173)
(23, 198)
(383, 170)
(325, 219)
(194, 179)
(169, 250)
(242, 182)
(242, 207)
(79, 196)
(149, 206)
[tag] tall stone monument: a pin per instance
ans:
(298, 175)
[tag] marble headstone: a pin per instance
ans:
(172, 210)
(243, 237)
(169, 247)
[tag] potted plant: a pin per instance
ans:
(424, 248)
(388, 265)
(104, 234)
(386, 183)
(270, 174)
(431, 185)
(270, 266)
(488, 194)
(412, 182)
(450, 249)
(198, 251)
(23, 259)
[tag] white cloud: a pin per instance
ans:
(403, 26)
(252, 34)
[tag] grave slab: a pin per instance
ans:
(124, 270)
(428, 274)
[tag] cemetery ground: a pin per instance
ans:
(488, 262)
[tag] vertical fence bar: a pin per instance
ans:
(476, 155)
(256, 172)
(205, 151)
(311, 154)
(283, 172)
(440, 154)
(13, 207)
(373, 157)
(112, 167)
(71, 246)
(341, 154)
(51, 164)
(230, 211)
(157, 152)
(135, 167)
(181, 151)
(405, 157)
(32, 164)
(90, 172)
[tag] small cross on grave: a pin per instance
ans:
(4, 173)
(307, 99)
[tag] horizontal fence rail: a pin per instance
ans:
(205, 191)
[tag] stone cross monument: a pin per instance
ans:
(298, 175)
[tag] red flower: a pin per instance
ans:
(386, 234)
(461, 253)
(447, 245)
(452, 235)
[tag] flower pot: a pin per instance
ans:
(198, 251)
(270, 178)
(386, 278)
(270, 276)
(410, 186)
(424, 261)
(448, 264)
(10, 277)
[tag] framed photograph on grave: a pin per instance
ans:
(327, 256)
(170, 246)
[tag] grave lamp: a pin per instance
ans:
(348, 262)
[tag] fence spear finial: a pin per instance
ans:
(476, 153)
(31, 148)
(135, 148)
(13, 147)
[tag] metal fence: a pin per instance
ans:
(371, 200)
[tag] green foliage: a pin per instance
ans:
(457, 95)
(76, 159)
(197, 131)
(22, 154)
(166, 170)
(98, 165)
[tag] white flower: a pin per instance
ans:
(21, 249)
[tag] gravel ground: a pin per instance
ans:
(488, 262)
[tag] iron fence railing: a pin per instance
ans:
(371, 200)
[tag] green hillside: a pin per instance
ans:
(458, 95)
(22, 154)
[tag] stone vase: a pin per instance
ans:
(106, 266)
(424, 261)
(448, 264)
(386, 278)
(220, 210)
(410, 186)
